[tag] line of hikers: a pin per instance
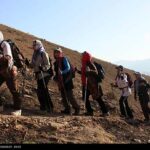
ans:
(64, 74)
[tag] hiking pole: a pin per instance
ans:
(49, 103)
(63, 86)
(85, 94)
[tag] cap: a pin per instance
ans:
(120, 67)
(137, 73)
(58, 49)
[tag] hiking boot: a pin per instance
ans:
(1, 108)
(16, 113)
(50, 111)
(67, 112)
(146, 120)
(77, 112)
(88, 114)
(42, 108)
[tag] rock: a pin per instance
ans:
(137, 140)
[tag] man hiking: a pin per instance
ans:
(9, 74)
(90, 84)
(41, 64)
(141, 88)
(122, 83)
(64, 80)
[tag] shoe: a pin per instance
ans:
(1, 108)
(146, 120)
(50, 111)
(16, 113)
(42, 108)
(88, 114)
(77, 112)
(67, 112)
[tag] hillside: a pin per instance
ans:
(34, 127)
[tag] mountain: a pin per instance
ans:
(138, 65)
(34, 127)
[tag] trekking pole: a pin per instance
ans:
(49, 103)
(85, 94)
(63, 86)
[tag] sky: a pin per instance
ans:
(110, 30)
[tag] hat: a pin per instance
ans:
(120, 67)
(38, 44)
(1, 36)
(58, 49)
(137, 73)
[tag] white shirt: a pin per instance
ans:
(7, 52)
(122, 83)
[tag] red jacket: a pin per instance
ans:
(86, 57)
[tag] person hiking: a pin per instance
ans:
(122, 83)
(91, 86)
(65, 82)
(9, 74)
(41, 64)
(141, 88)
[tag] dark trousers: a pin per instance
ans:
(43, 94)
(100, 102)
(83, 92)
(124, 107)
(68, 98)
(144, 105)
(12, 86)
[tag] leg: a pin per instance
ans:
(102, 105)
(40, 94)
(12, 85)
(1, 82)
(144, 106)
(122, 108)
(128, 110)
(65, 101)
(48, 102)
(87, 104)
(73, 101)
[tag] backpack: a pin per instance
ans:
(18, 57)
(101, 72)
(72, 69)
(130, 81)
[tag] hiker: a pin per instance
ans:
(91, 86)
(9, 74)
(41, 64)
(65, 82)
(122, 83)
(141, 88)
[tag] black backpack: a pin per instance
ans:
(17, 55)
(101, 72)
(130, 81)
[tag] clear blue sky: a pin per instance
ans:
(111, 30)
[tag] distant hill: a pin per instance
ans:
(142, 66)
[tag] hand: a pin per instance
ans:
(112, 84)
(27, 62)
